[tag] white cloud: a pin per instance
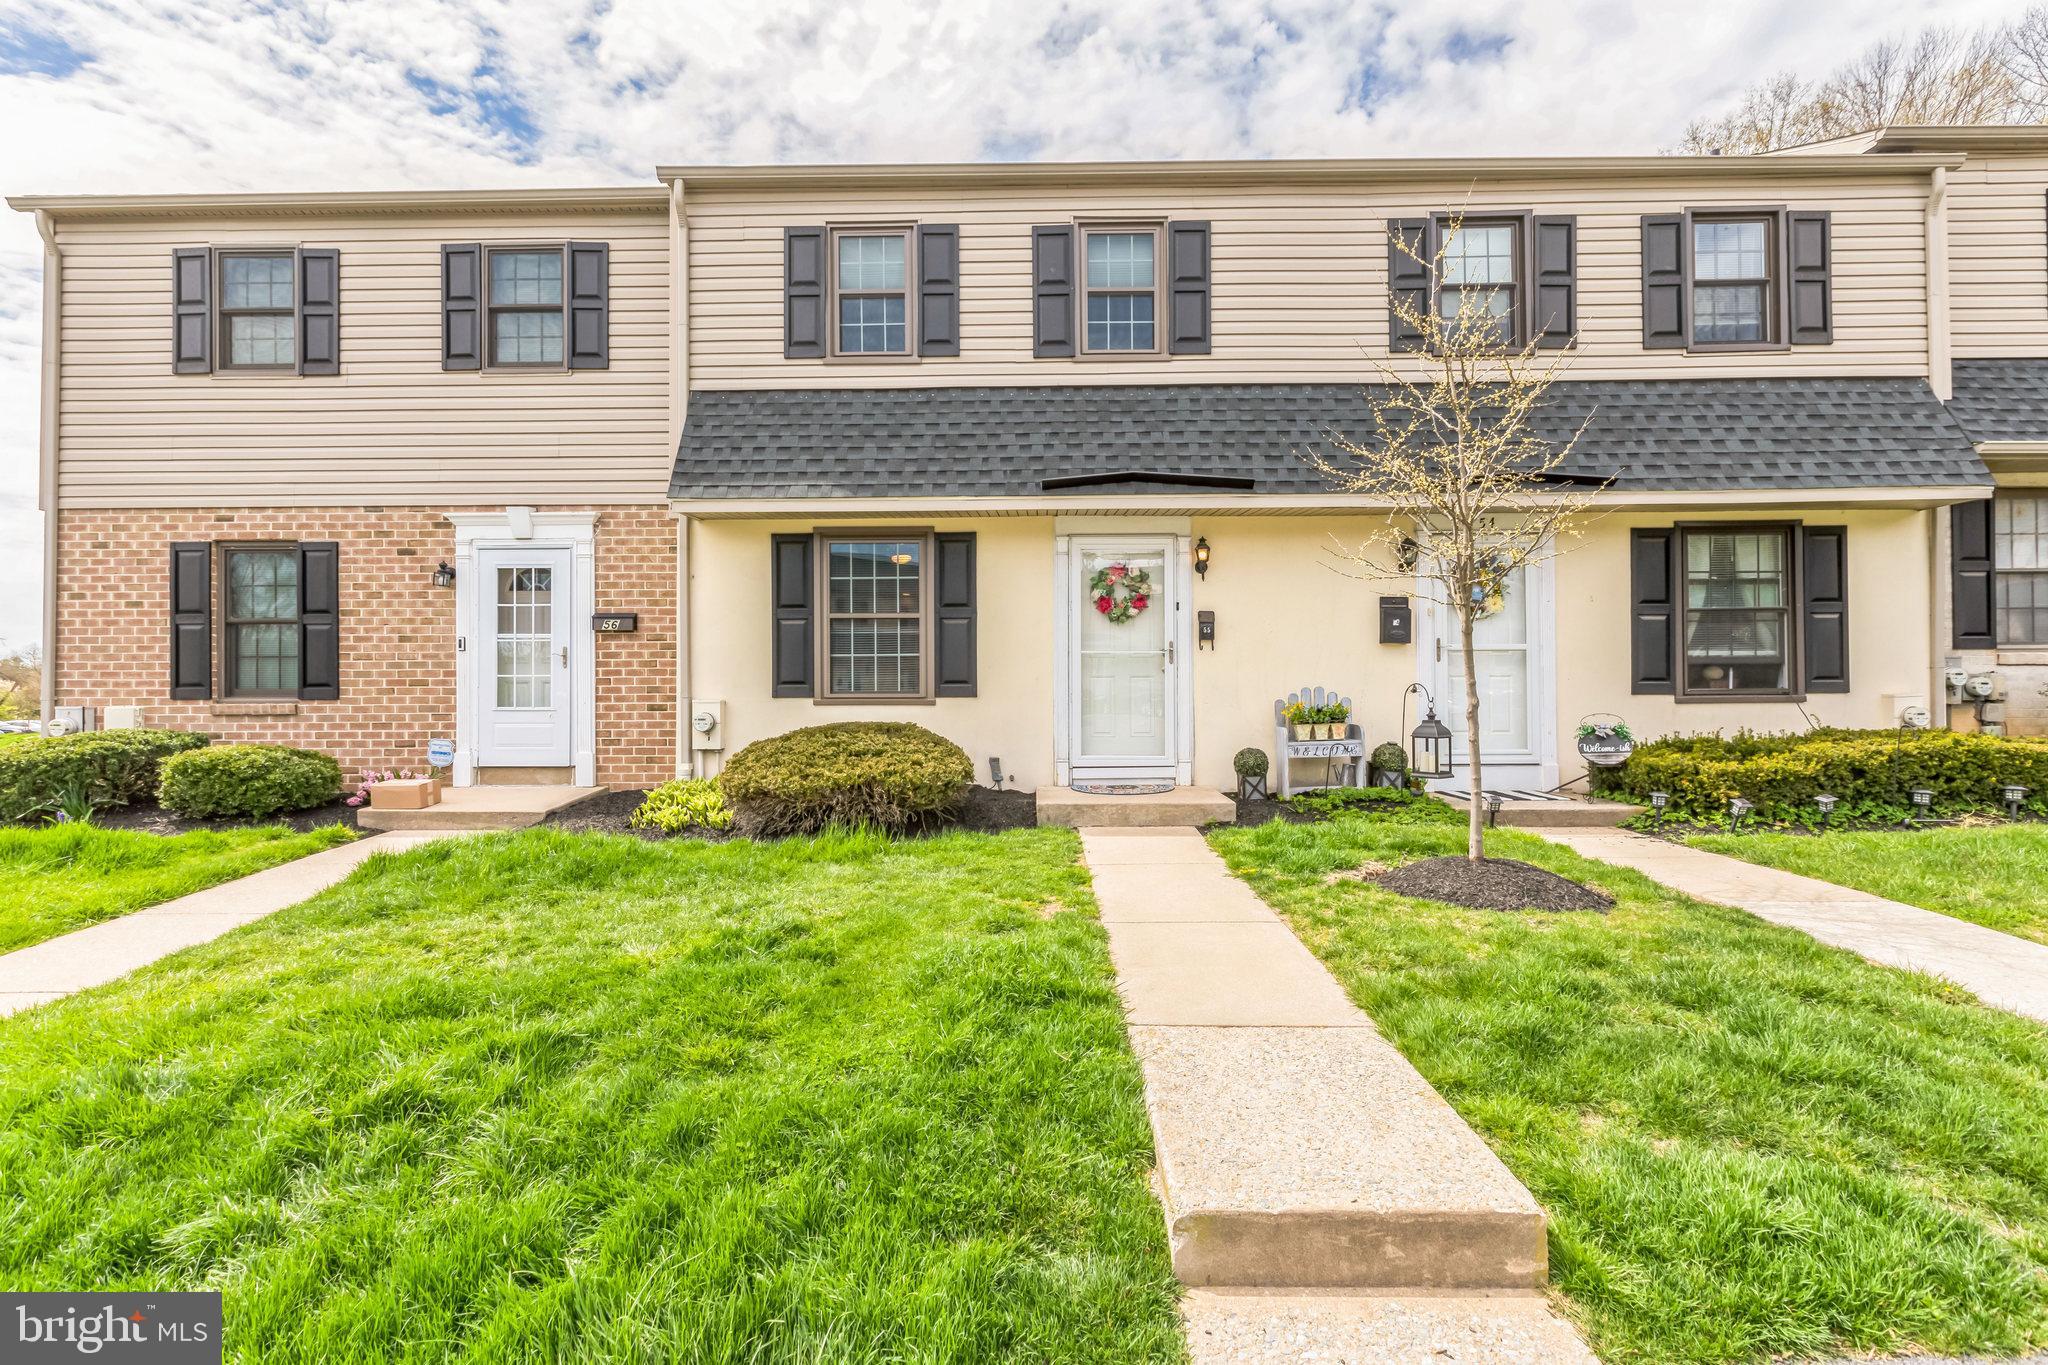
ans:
(307, 94)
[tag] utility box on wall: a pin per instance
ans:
(707, 725)
(1397, 621)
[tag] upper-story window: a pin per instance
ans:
(257, 327)
(1121, 289)
(1479, 273)
(870, 281)
(525, 304)
(1732, 271)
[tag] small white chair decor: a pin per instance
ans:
(1340, 744)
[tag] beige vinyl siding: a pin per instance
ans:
(392, 426)
(1299, 276)
(1998, 256)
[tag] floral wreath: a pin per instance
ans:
(1120, 592)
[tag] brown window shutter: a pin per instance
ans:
(462, 297)
(1824, 603)
(1410, 258)
(191, 620)
(319, 310)
(1187, 288)
(953, 629)
(1973, 582)
(587, 273)
(1553, 280)
(1653, 614)
(938, 289)
(1664, 272)
(319, 620)
(1809, 260)
(1052, 291)
(192, 310)
(790, 622)
(803, 293)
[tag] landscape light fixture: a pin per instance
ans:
(444, 577)
(1492, 809)
(1202, 559)
(1737, 808)
(2012, 793)
(1658, 801)
(1826, 804)
(1923, 801)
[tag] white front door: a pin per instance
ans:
(1511, 659)
(1122, 657)
(524, 706)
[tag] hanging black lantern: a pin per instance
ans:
(1429, 747)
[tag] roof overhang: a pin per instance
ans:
(1913, 139)
(2014, 457)
(1375, 170)
(623, 198)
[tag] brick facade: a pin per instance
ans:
(397, 631)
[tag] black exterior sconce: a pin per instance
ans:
(1202, 558)
(444, 577)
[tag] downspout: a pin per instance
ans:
(1941, 379)
(678, 405)
(46, 480)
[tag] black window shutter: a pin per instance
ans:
(790, 623)
(191, 620)
(1409, 261)
(319, 311)
(938, 289)
(1052, 291)
(1663, 280)
(1553, 273)
(953, 646)
(1808, 262)
(319, 620)
(803, 293)
(1187, 286)
(1972, 581)
(587, 269)
(191, 310)
(1653, 616)
(462, 297)
(1824, 602)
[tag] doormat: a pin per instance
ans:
(1123, 788)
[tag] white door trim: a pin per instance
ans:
(1434, 627)
(1066, 658)
(524, 528)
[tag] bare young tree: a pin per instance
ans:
(1472, 489)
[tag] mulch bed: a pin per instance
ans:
(1490, 884)
(1259, 809)
(150, 818)
(985, 811)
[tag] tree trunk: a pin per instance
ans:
(1476, 820)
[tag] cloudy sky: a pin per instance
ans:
(126, 96)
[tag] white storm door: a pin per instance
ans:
(1124, 681)
(524, 707)
(1504, 661)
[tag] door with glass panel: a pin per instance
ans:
(1123, 660)
(523, 668)
(1504, 641)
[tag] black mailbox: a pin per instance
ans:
(1205, 629)
(1397, 623)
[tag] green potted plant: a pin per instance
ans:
(1251, 769)
(1390, 765)
(1339, 717)
(1300, 717)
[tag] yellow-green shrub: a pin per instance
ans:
(890, 774)
(696, 803)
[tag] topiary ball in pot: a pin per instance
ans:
(247, 779)
(1390, 758)
(1250, 762)
(893, 775)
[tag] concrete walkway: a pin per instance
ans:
(2002, 970)
(1313, 1182)
(104, 952)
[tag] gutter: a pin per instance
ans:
(1940, 371)
(678, 409)
(46, 477)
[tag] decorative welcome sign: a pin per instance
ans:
(1325, 748)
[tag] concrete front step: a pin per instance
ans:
(480, 808)
(1289, 1326)
(1183, 806)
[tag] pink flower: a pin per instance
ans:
(1116, 571)
(1104, 603)
(1139, 602)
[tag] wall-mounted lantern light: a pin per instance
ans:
(1202, 558)
(444, 577)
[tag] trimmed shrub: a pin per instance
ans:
(1870, 771)
(247, 779)
(115, 767)
(1250, 762)
(676, 806)
(893, 775)
(1396, 804)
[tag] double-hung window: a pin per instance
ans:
(875, 606)
(1733, 263)
(870, 281)
(1737, 610)
(260, 609)
(1120, 286)
(257, 328)
(524, 299)
(1479, 279)
(2019, 538)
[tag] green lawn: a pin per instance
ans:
(1993, 875)
(63, 877)
(548, 1097)
(1748, 1144)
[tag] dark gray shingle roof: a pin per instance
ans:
(992, 442)
(2001, 400)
